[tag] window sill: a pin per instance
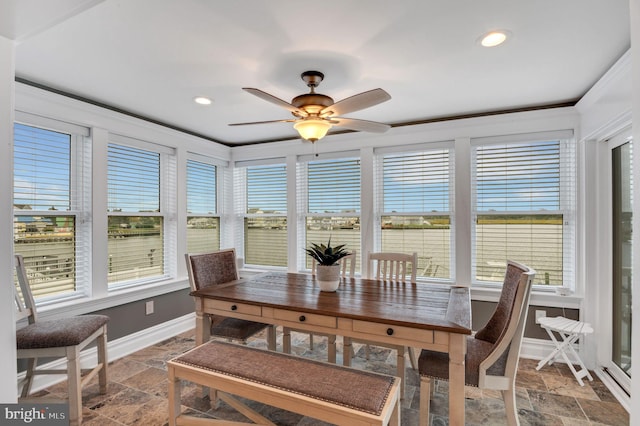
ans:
(84, 305)
(538, 297)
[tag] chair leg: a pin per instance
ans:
(412, 358)
(426, 387)
(286, 340)
(74, 386)
(509, 397)
(331, 348)
(271, 337)
(32, 363)
(311, 341)
(347, 351)
(103, 359)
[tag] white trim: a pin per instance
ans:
(615, 389)
(116, 349)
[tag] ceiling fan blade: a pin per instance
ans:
(356, 102)
(274, 100)
(362, 125)
(263, 122)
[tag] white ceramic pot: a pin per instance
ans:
(328, 277)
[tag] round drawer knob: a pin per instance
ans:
(234, 308)
(390, 331)
(302, 318)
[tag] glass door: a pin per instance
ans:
(621, 256)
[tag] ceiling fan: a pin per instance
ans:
(316, 113)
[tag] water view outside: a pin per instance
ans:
(203, 234)
(265, 241)
(48, 246)
(533, 240)
(537, 243)
(136, 248)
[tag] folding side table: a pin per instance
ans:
(570, 330)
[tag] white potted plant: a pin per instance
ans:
(328, 267)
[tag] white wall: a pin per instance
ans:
(8, 362)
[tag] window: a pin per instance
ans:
(135, 218)
(524, 209)
(415, 195)
(203, 223)
(265, 215)
(332, 203)
(49, 202)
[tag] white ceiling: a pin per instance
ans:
(152, 57)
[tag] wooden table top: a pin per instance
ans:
(426, 306)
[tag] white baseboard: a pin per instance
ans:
(116, 349)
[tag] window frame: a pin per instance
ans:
(241, 180)
(568, 160)
(79, 201)
(167, 209)
(196, 158)
(303, 202)
(379, 193)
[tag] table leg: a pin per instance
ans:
(457, 350)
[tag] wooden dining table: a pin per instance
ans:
(426, 316)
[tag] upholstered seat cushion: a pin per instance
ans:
(234, 328)
(436, 364)
(318, 380)
(59, 333)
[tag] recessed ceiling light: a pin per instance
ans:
(494, 38)
(202, 100)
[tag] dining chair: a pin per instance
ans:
(347, 269)
(492, 355)
(396, 268)
(392, 266)
(64, 337)
(216, 268)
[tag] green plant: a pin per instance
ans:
(327, 255)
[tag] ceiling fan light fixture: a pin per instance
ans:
(494, 38)
(312, 129)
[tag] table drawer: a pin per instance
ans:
(241, 308)
(305, 318)
(387, 330)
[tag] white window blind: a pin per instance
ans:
(48, 230)
(524, 206)
(203, 224)
(333, 204)
(415, 192)
(136, 224)
(265, 221)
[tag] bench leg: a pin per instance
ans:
(175, 399)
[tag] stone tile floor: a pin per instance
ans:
(138, 392)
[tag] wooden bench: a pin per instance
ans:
(328, 392)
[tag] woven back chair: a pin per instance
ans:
(215, 268)
(492, 353)
(64, 337)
